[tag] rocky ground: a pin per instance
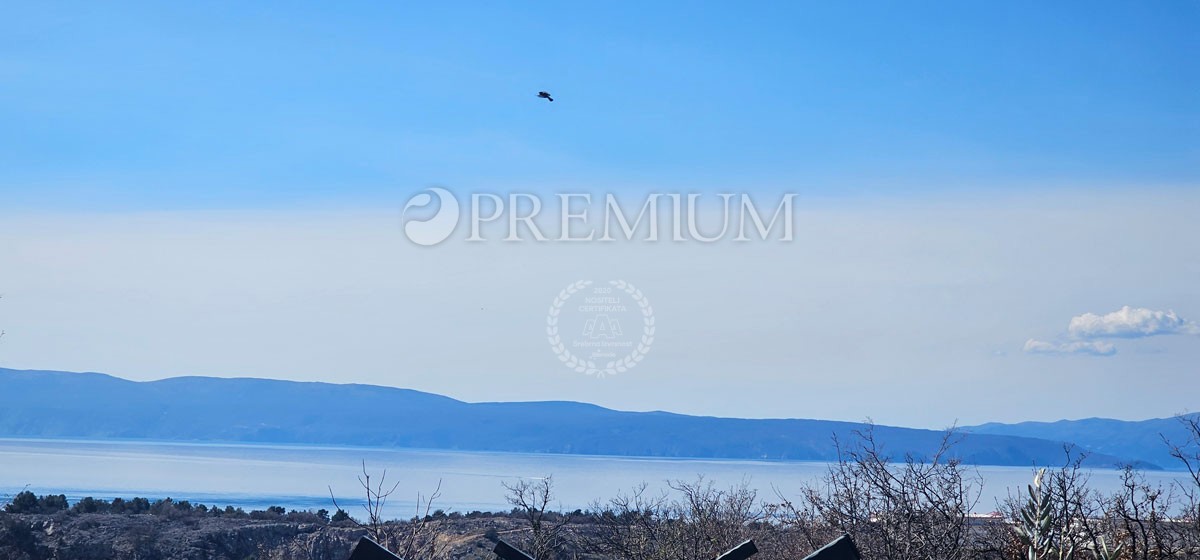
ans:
(152, 537)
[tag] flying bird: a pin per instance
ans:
(544, 95)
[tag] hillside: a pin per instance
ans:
(48, 404)
(1142, 439)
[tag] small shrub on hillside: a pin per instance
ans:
(27, 502)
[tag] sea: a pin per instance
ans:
(305, 477)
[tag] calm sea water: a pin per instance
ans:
(300, 477)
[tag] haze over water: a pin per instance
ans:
(300, 477)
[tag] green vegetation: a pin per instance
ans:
(27, 502)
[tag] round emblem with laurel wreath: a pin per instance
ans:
(597, 321)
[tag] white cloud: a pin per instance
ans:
(1093, 348)
(1085, 331)
(1130, 322)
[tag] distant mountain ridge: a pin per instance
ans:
(1144, 439)
(50, 404)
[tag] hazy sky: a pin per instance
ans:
(982, 191)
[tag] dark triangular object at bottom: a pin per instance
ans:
(842, 548)
(367, 549)
(510, 552)
(740, 552)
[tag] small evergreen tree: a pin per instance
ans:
(138, 505)
(53, 503)
(91, 505)
(25, 502)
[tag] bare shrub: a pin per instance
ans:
(692, 520)
(1187, 452)
(546, 528)
(419, 537)
(914, 509)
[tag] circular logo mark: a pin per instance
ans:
(437, 228)
(600, 330)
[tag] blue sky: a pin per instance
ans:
(156, 106)
(998, 200)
